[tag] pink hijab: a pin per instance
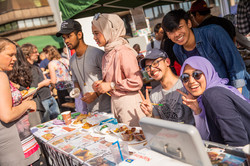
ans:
(113, 29)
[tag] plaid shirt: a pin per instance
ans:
(243, 17)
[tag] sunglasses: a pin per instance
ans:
(196, 75)
(97, 15)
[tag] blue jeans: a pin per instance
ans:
(51, 109)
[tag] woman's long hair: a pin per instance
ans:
(21, 73)
(52, 52)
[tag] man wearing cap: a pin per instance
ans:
(45, 102)
(157, 64)
(201, 13)
(211, 42)
(85, 64)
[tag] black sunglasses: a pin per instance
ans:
(196, 75)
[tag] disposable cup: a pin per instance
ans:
(246, 150)
(67, 117)
(74, 93)
(117, 153)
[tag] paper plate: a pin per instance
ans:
(103, 129)
(30, 92)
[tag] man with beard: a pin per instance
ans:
(86, 66)
(211, 42)
(43, 96)
(169, 101)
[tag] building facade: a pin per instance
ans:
(23, 18)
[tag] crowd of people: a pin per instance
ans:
(199, 79)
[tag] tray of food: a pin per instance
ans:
(103, 129)
(131, 135)
(119, 128)
(80, 120)
(87, 126)
(29, 92)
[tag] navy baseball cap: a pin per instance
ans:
(153, 54)
(69, 26)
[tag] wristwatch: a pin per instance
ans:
(112, 84)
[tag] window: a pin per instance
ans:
(185, 6)
(44, 20)
(28, 23)
(36, 21)
(166, 9)
(50, 19)
(149, 13)
(172, 6)
(217, 3)
(14, 25)
(21, 24)
(156, 11)
(8, 27)
(2, 28)
(37, 3)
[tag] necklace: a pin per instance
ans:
(82, 77)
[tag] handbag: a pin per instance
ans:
(61, 85)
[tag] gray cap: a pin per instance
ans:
(152, 54)
(69, 26)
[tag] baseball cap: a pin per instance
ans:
(69, 26)
(199, 6)
(153, 54)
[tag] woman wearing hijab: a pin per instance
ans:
(226, 111)
(120, 71)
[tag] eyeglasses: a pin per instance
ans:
(196, 75)
(97, 15)
(154, 64)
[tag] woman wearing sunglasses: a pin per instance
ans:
(226, 113)
(121, 75)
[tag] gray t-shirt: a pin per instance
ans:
(172, 109)
(86, 70)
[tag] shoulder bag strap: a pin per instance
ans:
(65, 66)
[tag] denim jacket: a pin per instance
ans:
(213, 43)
